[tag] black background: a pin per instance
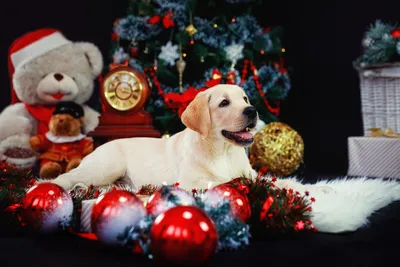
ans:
(322, 39)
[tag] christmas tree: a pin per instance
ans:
(186, 46)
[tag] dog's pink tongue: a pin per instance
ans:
(244, 135)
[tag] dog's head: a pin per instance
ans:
(223, 112)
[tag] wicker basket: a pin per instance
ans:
(380, 96)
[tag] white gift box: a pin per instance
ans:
(86, 214)
(374, 157)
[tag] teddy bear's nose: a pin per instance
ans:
(58, 76)
(60, 120)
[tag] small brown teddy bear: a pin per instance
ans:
(64, 146)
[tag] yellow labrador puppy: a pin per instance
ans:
(208, 152)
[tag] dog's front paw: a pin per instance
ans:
(80, 186)
(65, 184)
(199, 185)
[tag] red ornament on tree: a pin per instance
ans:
(134, 51)
(114, 36)
(240, 205)
(183, 235)
(396, 33)
(113, 214)
(47, 208)
(166, 198)
(166, 19)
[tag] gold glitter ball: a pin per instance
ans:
(278, 148)
(191, 30)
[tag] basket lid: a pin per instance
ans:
(390, 70)
(362, 67)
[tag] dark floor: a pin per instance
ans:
(377, 245)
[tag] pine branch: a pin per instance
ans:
(14, 183)
(379, 45)
(232, 233)
(276, 209)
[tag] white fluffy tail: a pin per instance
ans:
(347, 207)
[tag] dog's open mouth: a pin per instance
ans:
(243, 137)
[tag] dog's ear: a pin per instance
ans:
(197, 115)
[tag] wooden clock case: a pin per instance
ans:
(116, 124)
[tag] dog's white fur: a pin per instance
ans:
(197, 157)
(200, 155)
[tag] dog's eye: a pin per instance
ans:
(224, 103)
(246, 99)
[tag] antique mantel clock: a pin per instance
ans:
(124, 92)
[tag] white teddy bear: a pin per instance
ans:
(46, 68)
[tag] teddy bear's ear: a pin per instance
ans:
(93, 55)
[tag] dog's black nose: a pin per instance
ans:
(58, 76)
(250, 112)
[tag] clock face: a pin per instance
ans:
(123, 90)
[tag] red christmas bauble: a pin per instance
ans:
(166, 198)
(47, 208)
(183, 235)
(239, 202)
(134, 51)
(396, 33)
(113, 214)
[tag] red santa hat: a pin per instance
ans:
(30, 46)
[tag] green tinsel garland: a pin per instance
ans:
(273, 210)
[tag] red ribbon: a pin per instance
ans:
(181, 101)
(280, 66)
(115, 65)
(13, 208)
(230, 78)
(265, 208)
(216, 78)
(273, 110)
(166, 20)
